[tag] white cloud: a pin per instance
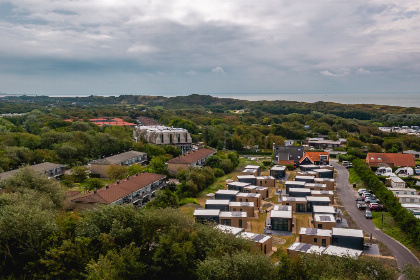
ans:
(218, 70)
(362, 71)
(331, 74)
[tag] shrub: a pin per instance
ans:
(188, 200)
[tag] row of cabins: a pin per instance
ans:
(262, 181)
(409, 199)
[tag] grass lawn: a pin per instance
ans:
(80, 187)
(354, 178)
(390, 228)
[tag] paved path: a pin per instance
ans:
(347, 196)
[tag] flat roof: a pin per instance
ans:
(323, 170)
(249, 170)
(402, 189)
(309, 166)
(348, 232)
(295, 183)
(291, 198)
(265, 178)
(306, 248)
(323, 209)
(342, 252)
(315, 231)
(278, 168)
(318, 198)
(281, 214)
(408, 195)
(252, 167)
(232, 192)
(255, 188)
(322, 192)
(259, 238)
(232, 214)
(238, 184)
(313, 185)
(241, 204)
(206, 212)
(410, 205)
(246, 177)
(229, 229)
(304, 177)
(325, 218)
(282, 207)
(301, 190)
(249, 195)
(217, 201)
(324, 180)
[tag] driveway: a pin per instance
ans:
(347, 197)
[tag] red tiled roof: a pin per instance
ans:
(286, 162)
(192, 157)
(390, 158)
(117, 191)
(313, 156)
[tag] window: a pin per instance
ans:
(315, 240)
(324, 243)
(320, 226)
(280, 224)
(179, 137)
(287, 203)
(234, 209)
(226, 222)
(240, 209)
(240, 223)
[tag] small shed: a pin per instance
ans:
(249, 197)
(226, 194)
(266, 181)
(348, 238)
(251, 179)
(234, 219)
(299, 192)
(221, 204)
(315, 236)
(237, 186)
(281, 218)
(324, 221)
(263, 191)
(328, 181)
(206, 215)
(298, 203)
(278, 171)
(247, 207)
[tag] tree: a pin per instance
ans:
(93, 184)
(226, 165)
(158, 165)
(79, 173)
(164, 198)
(213, 161)
(114, 171)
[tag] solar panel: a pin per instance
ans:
(259, 237)
(305, 247)
(311, 231)
(325, 218)
(236, 214)
(282, 208)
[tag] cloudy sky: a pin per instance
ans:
(209, 46)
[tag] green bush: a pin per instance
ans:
(188, 200)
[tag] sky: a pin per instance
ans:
(79, 47)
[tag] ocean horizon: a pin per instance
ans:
(390, 99)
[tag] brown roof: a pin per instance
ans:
(117, 191)
(192, 157)
(390, 158)
(313, 156)
(286, 162)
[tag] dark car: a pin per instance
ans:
(376, 207)
(368, 215)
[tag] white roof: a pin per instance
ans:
(396, 179)
(324, 180)
(410, 205)
(323, 209)
(232, 214)
(322, 192)
(259, 238)
(322, 170)
(206, 212)
(309, 166)
(312, 185)
(315, 231)
(348, 232)
(278, 168)
(248, 195)
(318, 198)
(281, 211)
(229, 229)
(342, 252)
(402, 189)
(252, 167)
(245, 177)
(238, 184)
(408, 195)
(241, 204)
(266, 178)
(306, 248)
(305, 177)
(255, 188)
(282, 207)
(302, 190)
(295, 183)
(232, 192)
(325, 218)
(217, 201)
(291, 198)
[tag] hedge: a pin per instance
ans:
(406, 220)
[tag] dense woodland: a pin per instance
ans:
(39, 240)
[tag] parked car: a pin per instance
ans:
(376, 207)
(372, 200)
(360, 191)
(360, 204)
(368, 215)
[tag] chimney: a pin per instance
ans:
(118, 181)
(107, 187)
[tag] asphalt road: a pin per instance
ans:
(348, 196)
